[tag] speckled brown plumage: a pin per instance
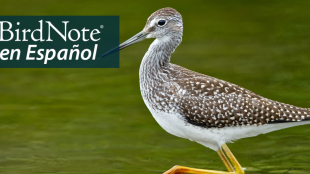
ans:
(210, 102)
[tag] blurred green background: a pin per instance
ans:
(95, 121)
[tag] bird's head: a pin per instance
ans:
(162, 24)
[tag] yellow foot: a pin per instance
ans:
(181, 169)
(232, 165)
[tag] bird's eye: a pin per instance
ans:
(161, 22)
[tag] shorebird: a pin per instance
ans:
(204, 109)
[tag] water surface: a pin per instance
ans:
(95, 121)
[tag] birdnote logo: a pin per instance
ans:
(58, 41)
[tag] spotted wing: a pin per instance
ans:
(211, 102)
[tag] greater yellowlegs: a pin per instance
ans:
(201, 108)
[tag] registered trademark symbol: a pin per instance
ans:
(101, 26)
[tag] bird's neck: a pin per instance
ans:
(152, 73)
(158, 55)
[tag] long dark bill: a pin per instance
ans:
(136, 38)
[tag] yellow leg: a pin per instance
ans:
(233, 160)
(235, 169)
(225, 161)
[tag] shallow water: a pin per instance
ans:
(95, 121)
